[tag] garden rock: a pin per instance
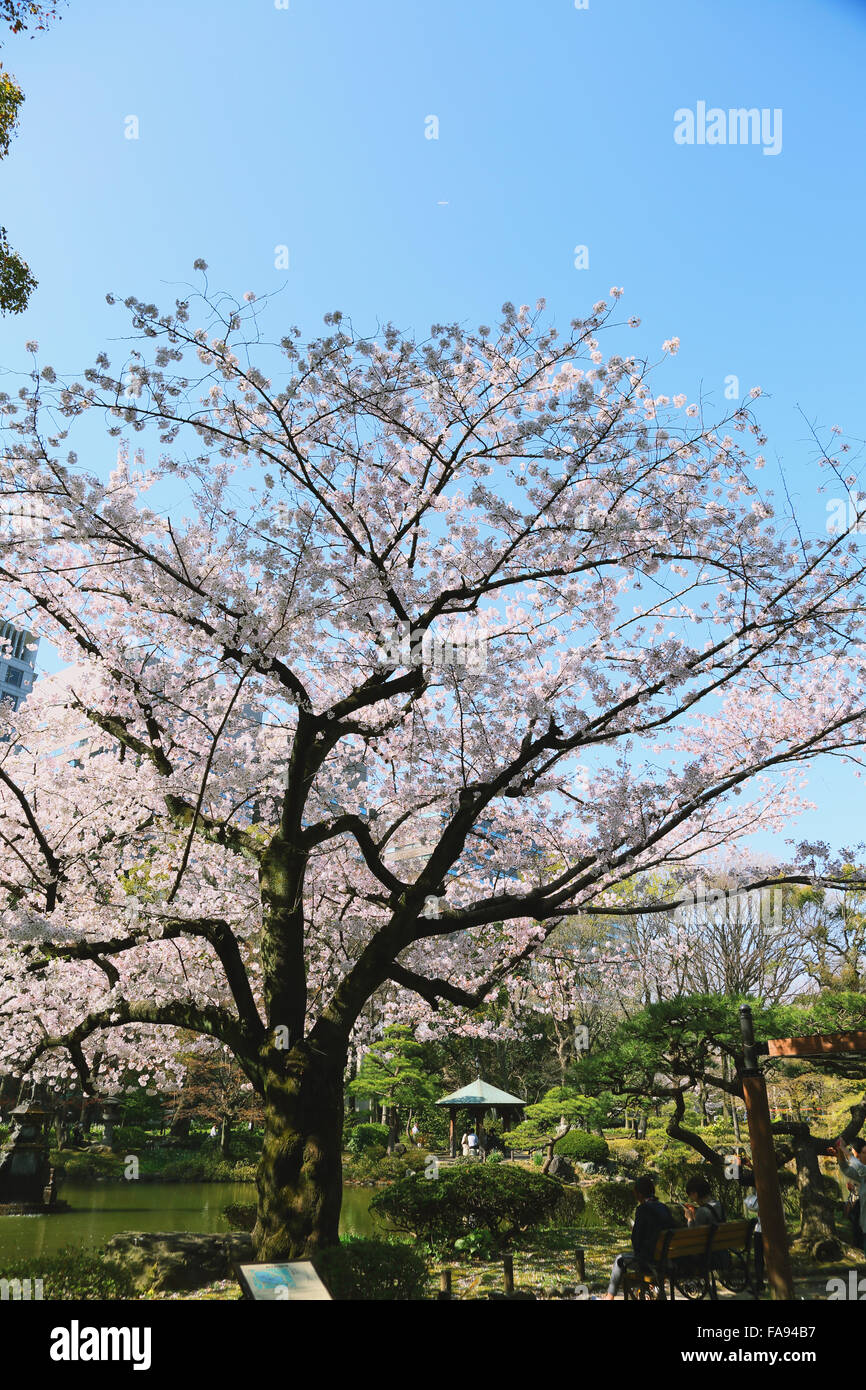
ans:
(175, 1261)
(561, 1168)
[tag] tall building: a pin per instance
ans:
(17, 664)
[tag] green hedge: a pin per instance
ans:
(582, 1147)
(612, 1203)
(374, 1165)
(367, 1136)
(71, 1274)
(130, 1139)
(499, 1198)
(173, 1165)
(570, 1207)
(87, 1165)
(361, 1269)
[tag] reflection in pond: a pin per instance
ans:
(99, 1210)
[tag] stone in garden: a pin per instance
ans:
(561, 1167)
(176, 1261)
(25, 1168)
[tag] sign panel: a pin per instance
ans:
(820, 1045)
(280, 1282)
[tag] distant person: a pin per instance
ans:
(751, 1204)
(853, 1165)
(474, 1146)
(464, 1144)
(702, 1209)
(213, 1131)
(651, 1218)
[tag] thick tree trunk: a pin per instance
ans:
(817, 1228)
(226, 1138)
(392, 1120)
(817, 1235)
(300, 1174)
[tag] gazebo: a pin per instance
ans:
(478, 1098)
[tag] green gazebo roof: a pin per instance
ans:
(480, 1092)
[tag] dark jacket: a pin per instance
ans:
(651, 1218)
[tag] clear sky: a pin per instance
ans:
(306, 127)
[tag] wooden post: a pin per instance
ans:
(452, 1135)
(508, 1262)
(445, 1284)
(580, 1261)
(776, 1256)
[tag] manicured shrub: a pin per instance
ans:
(500, 1198)
(129, 1139)
(87, 1165)
(71, 1274)
(628, 1156)
(582, 1147)
(367, 1136)
(612, 1203)
(200, 1168)
(570, 1207)
(361, 1269)
(374, 1165)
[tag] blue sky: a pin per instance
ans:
(305, 127)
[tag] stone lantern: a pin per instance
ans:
(25, 1168)
(112, 1112)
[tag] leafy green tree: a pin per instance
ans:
(551, 1118)
(833, 927)
(498, 1198)
(399, 1073)
(671, 1048)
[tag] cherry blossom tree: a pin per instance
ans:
(298, 787)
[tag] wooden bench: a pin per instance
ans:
(693, 1259)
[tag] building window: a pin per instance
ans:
(14, 675)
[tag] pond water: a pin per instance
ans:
(100, 1210)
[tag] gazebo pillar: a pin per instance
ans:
(453, 1131)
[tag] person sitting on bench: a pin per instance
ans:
(651, 1218)
(702, 1209)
